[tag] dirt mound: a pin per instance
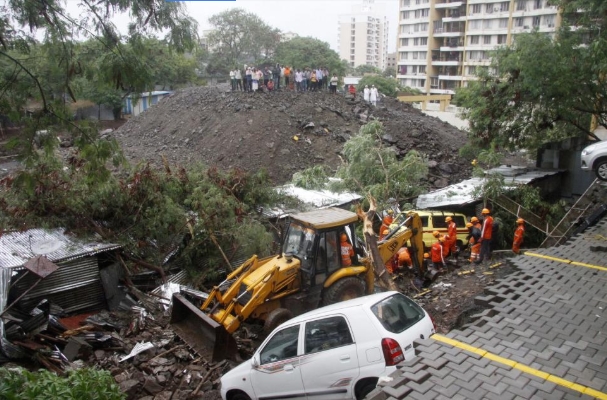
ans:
(256, 130)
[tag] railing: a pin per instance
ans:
(519, 211)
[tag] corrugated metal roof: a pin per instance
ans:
(351, 80)
(319, 198)
(154, 93)
(18, 247)
(461, 193)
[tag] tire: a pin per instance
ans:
(365, 389)
(275, 318)
(601, 170)
(344, 289)
(239, 396)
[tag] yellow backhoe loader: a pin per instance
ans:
(306, 274)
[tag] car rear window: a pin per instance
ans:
(397, 313)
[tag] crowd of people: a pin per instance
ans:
(252, 79)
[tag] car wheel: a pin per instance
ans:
(601, 170)
(275, 318)
(239, 396)
(344, 289)
(365, 390)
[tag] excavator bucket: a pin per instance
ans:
(199, 331)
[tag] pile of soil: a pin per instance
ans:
(283, 132)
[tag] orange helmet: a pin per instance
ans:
(473, 219)
(436, 234)
(344, 237)
(448, 219)
(520, 221)
(426, 255)
(485, 211)
(388, 219)
(441, 239)
(469, 225)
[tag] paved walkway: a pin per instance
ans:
(543, 335)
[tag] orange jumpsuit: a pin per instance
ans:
(436, 252)
(518, 238)
(452, 233)
(404, 258)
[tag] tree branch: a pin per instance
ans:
(36, 81)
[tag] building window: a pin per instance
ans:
(425, 12)
(488, 24)
(505, 6)
(475, 25)
(489, 8)
(475, 9)
(487, 39)
(519, 22)
(423, 41)
(536, 21)
(404, 15)
(501, 39)
(472, 70)
(404, 42)
(405, 3)
(504, 23)
(403, 55)
(422, 69)
(520, 5)
(549, 21)
(537, 4)
(474, 39)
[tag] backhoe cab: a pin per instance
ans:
(307, 273)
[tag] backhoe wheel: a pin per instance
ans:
(344, 289)
(275, 318)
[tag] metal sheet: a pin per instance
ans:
(18, 247)
(76, 285)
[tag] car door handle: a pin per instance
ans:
(345, 357)
(288, 368)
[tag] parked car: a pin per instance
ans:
(594, 157)
(435, 221)
(334, 352)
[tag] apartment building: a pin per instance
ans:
(363, 37)
(442, 43)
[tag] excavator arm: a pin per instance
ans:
(410, 229)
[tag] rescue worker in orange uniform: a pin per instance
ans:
(452, 234)
(476, 223)
(404, 258)
(518, 236)
(474, 241)
(445, 238)
(486, 236)
(436, 252)
(384, 229)
(347, 251)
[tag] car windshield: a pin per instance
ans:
(299, 240)
(397, 313)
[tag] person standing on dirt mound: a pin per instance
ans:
(436, 251)
(276, 75)
(366, 93)
(474, 241)
(352, 91)
(333, 84)
(238, 76)
(373, 95)
(518, 236)
(486, 234)
(287, 76)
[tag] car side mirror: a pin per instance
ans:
(255, 361)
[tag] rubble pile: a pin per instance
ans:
(284, 132)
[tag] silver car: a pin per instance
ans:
(594, 157)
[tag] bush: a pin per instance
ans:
(82, 384)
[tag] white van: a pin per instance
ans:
(334, 352)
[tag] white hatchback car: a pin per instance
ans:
(334, 352)
(594, 157)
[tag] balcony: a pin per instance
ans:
(447, 61)
(450, 77)
(448, 4)
(448, 32)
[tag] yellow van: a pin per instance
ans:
(435, 221)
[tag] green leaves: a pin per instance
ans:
(542, 89)
(82, 384)
(387, 86)
(307, 52)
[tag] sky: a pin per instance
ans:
(316, 18)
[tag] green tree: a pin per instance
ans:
(302, 52)
(371, 168)
(387, 86)
(524, 100)
(366, 69)
(389, 72)
(239, 36)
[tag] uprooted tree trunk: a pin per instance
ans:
(374, 260)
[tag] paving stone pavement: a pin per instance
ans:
(549, 316)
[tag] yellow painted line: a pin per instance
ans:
(566, 261)
(521, 367)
